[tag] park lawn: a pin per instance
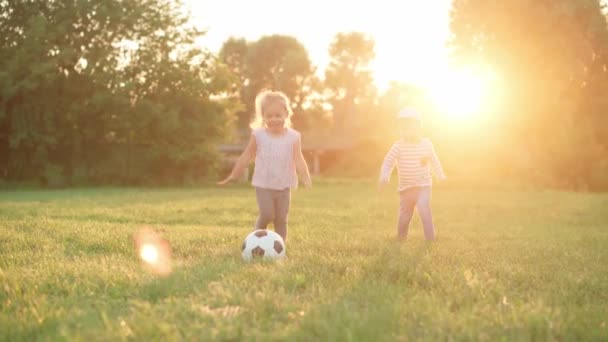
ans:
(507, 264)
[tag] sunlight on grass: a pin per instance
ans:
(69, 270)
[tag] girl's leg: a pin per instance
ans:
(265, 206)
(424, 210)
(407, 203)
(282, 202)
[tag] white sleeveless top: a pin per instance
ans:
(274, 160)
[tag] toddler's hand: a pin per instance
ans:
(225, 181)
(382, 184)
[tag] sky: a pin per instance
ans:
(410, 35)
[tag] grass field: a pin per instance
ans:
(507, 265)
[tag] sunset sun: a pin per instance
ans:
(460, 95)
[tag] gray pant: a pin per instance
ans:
(274, 207)
(419, 198)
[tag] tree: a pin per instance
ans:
(49, 52)
(552, 58)
(273, 62)
(279, 62)
(349, 79)
(234, 55)
(106, 91)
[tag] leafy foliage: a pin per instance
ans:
(275, 62)
(106, 91)
(350, 81)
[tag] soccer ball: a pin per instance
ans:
(263, 244)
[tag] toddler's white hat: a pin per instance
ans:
(408, 113)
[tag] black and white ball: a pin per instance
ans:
(263, 244)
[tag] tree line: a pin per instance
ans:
(115, 92)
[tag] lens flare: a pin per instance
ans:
(154, 251)
(149, 253)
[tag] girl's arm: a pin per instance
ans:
(388, 164)
(301, 166)
(244, 159)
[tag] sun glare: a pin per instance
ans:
(460, 95)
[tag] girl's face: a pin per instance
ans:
(274, 115)
(409, 128)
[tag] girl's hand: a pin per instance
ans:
(225, 181)
(307, 183)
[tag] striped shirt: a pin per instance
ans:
(414, 162)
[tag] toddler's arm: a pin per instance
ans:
(244, 159)
(301, 166)
(436, 165)
(388, 164)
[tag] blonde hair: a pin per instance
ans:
(262, 99)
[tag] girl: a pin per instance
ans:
(277, 149)
(414, 157)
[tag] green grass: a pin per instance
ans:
(507, 265)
